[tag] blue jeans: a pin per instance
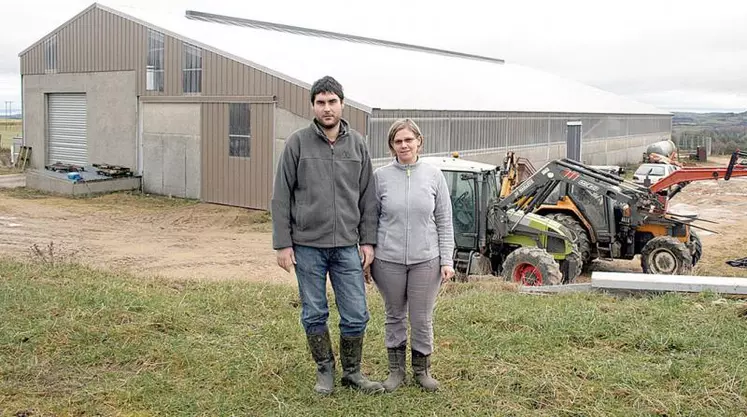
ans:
(346, 273)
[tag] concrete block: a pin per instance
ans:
(39, 181)
(493, 158)
(287, 123)
(279, 145)
(637, 142)
(12, 181)
(538, 155)
(172, 118)
(635, 154)
(152, 164)
(193, 167)
(174, 166)
(107, 186)
(618, 157)
(596, 159)
(557, 151)
(589, 148)
(617, 144)
(111, 120)
(674, 283)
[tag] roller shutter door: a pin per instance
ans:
(66, 121)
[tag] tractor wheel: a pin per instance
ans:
(570, 275)
(531, 266)
(582, 235)
(696, 247)
(667, 256)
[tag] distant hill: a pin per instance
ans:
(728, 131)
(16, 115)
(709, 119)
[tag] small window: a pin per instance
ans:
(50, 53)
(192, 72)
(154, 70)
(239, 130)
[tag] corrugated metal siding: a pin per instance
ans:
(244, 182)
(463, 131)
(66, 138)
(101, 41)
(225, 77)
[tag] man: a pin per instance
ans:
(324, 220)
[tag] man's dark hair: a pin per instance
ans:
(326, 84)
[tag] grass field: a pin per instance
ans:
(8, 130)
(75, 341)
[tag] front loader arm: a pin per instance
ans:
(534, 190)
(687, 175)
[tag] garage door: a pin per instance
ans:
(66, 121)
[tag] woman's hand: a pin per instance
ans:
(447, 273)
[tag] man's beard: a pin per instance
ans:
(329, 125)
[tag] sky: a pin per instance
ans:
(676, 55)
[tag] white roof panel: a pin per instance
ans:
(390, 78)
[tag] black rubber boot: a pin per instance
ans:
(351, 350)
(396, 367)
(321, 350)
(421, 365)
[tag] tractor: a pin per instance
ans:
(494, 239)
(614, 218)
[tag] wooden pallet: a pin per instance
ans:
(112, 170)
(60, 167)
(24, 154)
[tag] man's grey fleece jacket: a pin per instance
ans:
(324, 193)
(415, 222)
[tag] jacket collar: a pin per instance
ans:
(396, 163)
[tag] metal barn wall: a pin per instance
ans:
(236, 181)
(99, 41)
(448, 131)
(95, 41)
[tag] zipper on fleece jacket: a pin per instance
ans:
(334, 196)
(407, 217)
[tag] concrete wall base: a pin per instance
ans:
(285, 124)
(38, 181)
(171, 149)
(111, 120)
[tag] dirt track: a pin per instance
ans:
(200, 241)
(204, 241)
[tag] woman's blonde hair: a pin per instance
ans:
(408, 124)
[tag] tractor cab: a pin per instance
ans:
(471, 186)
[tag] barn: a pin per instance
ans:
(198, 105)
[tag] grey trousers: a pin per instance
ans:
(413, 289)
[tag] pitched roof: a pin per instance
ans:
(388, 77)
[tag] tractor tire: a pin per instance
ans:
(666, 255)
(571, 273)
(531, 266)
(696, 247)
(582, 235)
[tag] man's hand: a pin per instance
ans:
(447, 273)
(367, 255)
(286, 258)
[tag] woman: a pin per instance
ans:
(413, 252)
